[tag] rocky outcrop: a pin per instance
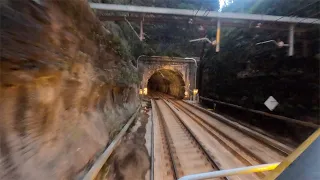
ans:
(67, 85)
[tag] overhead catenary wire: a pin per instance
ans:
(315, 14)
(292, 13)
(132, 27)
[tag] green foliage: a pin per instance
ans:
(186, 6)
(170, 39)
(127, 75)
(246, 74)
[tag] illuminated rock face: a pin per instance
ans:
(65, 86)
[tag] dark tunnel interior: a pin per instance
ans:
(167, 81)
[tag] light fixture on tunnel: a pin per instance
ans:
(195, 91)
(195, 97)
(145, 91)
(186, 94)
(140, 91)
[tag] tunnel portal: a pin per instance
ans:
(172, 75)
(167, 81)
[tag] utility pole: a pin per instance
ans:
(218, 36)
(291, 40)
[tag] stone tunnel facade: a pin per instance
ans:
(185, 68)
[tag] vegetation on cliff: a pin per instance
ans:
(246, 74)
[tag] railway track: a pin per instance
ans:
(227, 146)
(183, 151)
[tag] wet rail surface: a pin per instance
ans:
(222, 146)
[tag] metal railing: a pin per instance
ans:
(231, 172)
(94, 170)
(283, 118)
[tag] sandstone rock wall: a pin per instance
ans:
(66, 87)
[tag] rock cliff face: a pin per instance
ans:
(66, 87)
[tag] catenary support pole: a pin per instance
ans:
(218, 36)
(291, 40)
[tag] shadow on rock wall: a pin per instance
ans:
(66, 88)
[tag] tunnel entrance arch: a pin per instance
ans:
(167, 81)
(179, 70)
(148, 65)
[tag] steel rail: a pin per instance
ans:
(152, 141)
(255, 135)
(211, 14)
(213, 162)
(164, 127)
(232, 150)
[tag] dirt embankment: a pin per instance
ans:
(65, 88)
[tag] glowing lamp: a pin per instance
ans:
(145, 91)
(195, 91)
